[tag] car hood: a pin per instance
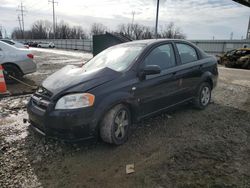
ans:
(74, 79)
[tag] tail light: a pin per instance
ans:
(31, 56)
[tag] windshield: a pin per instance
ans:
(117, 58)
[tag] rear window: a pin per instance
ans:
(187, 53)
(8, 42)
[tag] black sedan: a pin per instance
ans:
(122, 85)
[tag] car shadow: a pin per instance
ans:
(184, 145)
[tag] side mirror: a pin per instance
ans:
(149, 70)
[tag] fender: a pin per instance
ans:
(14, 64)
(207, 77)
(109, 102)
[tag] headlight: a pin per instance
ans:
(74, 101)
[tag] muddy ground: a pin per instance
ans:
(48, 61)
(181, 148)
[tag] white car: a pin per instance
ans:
(15, 43)
(46, 45)
(16, 61)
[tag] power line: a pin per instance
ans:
(54, 26)
(231, 35)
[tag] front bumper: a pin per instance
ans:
(68, 125)
(27, 66)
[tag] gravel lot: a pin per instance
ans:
(181, 148)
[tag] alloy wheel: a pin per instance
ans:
(121, 123)
(205, 95)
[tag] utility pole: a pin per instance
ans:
(156, 20)
(1, 35)
(20, 25)
(248, 30)
(5, 33)
(133, 17)
(21, 9)
(54, 26)
(231, 36)
(22, 14)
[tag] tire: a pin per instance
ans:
(115, 125)
(246, 65)
(203, 96)
(13, 71)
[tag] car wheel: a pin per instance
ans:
(13, 71)
(203, 96)
(246, 65)
(115, 125)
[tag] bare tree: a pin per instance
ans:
(125, 29)
(41, 29)
(135, 31)
(1, 36)
(63, 30)
(148, 33)
(98, 29)
(171, 31)
(77, 32)
(138, 31)
(17, 33)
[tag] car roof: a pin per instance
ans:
(7, 40)
(153, 41)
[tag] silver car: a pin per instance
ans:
(15, 43)
(16, 61)
(46, 45)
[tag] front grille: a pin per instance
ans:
(40, 102)
(43, 92)
(41, 98)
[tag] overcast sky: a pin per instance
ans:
(198, 19)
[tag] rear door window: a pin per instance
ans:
(187, 53)
(9, 42)
(163, 56)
